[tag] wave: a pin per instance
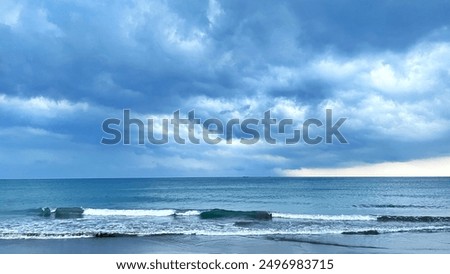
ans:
(62, 212)
(111, 235)
(325, 217)
(244, 223)
(426, 229)
(79, 212)
(188, 213)
(200, 232)
(44, 236)
(426, 219)
(130, 212)
(222, 213)
(393, 206)
(382, 218)
(245, 231)
(362, 232)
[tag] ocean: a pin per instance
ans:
(226, 215)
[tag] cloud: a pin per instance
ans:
(10, 13)
(66, 66)
(25, 19)
(41, 104)
(354, 26)
(214, 12)
(40, 107)
(394, 96)
(19, 132)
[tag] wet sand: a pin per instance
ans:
(277, 244)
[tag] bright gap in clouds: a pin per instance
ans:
(433, 167)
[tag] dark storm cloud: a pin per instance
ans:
(65, 66)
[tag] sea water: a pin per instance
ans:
(220, 207)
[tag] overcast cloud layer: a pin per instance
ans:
(65, 66)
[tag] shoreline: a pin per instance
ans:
(276, 244)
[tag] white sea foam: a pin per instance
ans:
(129, 212)
(189, 213)
(325, 217)
(210, 231)
(413, 229)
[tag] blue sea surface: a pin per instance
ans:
(218, 207)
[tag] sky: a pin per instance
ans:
(67, 66)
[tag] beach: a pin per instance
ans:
(345, 244)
